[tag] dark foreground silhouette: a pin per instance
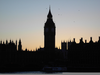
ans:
(80, 57)
(72, 57)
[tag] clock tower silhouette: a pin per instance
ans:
(49, 34)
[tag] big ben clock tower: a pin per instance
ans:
(49, 34)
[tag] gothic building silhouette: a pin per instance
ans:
(74, 56)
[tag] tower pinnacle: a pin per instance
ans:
(49, 14)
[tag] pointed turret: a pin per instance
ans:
(81, 40)
(91, 40)
(10, 41)
(49, 23)
(49, 14)
(6, 42)
(19, 46)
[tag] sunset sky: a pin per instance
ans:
(24, 19)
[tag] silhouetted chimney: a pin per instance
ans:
(85, 41)
(69, 44)
(19, 46)
(26, 49)
(91, 40)
(6, 41)
(74, 40)
(16, 44)
(70, 40)
(99, 39)
(10, 41)
(1, 42)
(81, 40)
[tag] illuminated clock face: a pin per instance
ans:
(52, 29)
(46, 29)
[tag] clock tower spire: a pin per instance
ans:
(49, 14)
(49, 33)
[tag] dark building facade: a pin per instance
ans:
(64, 45)
(84, 55)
